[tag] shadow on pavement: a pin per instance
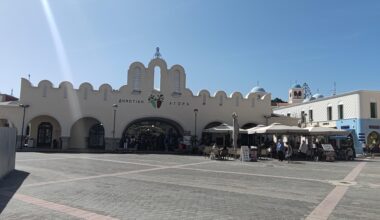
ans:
(9, 186)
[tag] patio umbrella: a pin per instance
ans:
(326, 131)
(277, 128)
(253, 130)
(223, 129)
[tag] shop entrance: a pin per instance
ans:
(152, 134)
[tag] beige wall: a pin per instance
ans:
(68, 105)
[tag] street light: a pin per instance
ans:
(114, 121)
(23, 121)
(195, 126)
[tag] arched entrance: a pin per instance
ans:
(45, 134)
(43, 131)
(87, 132)
(96, 137)
(152, 134)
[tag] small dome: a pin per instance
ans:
(258, 89)
(296, 86)
(318, 96)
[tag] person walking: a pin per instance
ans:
(289, 152)
(280, 150)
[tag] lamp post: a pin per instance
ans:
(195, 126)
(23, 121)
(114, 122)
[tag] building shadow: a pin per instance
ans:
(9, 186)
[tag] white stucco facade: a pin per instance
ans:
(69, 113)
(356, 114)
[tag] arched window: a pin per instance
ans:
(85, 93)
(44, 135)
(295, 93)
(65, 92)
(299, 94)
(157, 78)
(105, 94)
(44, 91)
(177, 82)
(204, 99)
(220, 100)
(137, 79)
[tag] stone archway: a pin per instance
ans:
(87, 132)
(152, 134)
(43, 131)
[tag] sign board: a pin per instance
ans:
(327, 147)
(244, 153)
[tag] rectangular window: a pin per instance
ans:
(310, 115)
(303, 117)
(329, 113)
(288, 114)
(373, 110)
(340, 112)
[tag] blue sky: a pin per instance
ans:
(223, 45)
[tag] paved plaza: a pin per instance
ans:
(158, 186)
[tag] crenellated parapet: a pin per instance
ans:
(140, 82)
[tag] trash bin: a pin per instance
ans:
(254, 153)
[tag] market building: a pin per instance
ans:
(356, 111)
(144, 117)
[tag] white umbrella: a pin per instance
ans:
(253, 130)
(277, 128)
(223, 129)
(326, 131)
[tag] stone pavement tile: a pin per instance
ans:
(35, 156)
(135, 199)
(52, 170)
(17, 210)
(160, 159)
(358, 203)
(280, 169)
(297, 190)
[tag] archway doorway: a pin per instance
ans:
(152, 134)
(43, 131)
(45, 134)
(96, 137)
(87, 132)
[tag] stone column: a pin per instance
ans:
(64, 142)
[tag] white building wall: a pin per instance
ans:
(350, 103)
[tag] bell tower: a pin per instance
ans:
(296, 94)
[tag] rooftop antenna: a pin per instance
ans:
(334, 89)
(157, 54)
